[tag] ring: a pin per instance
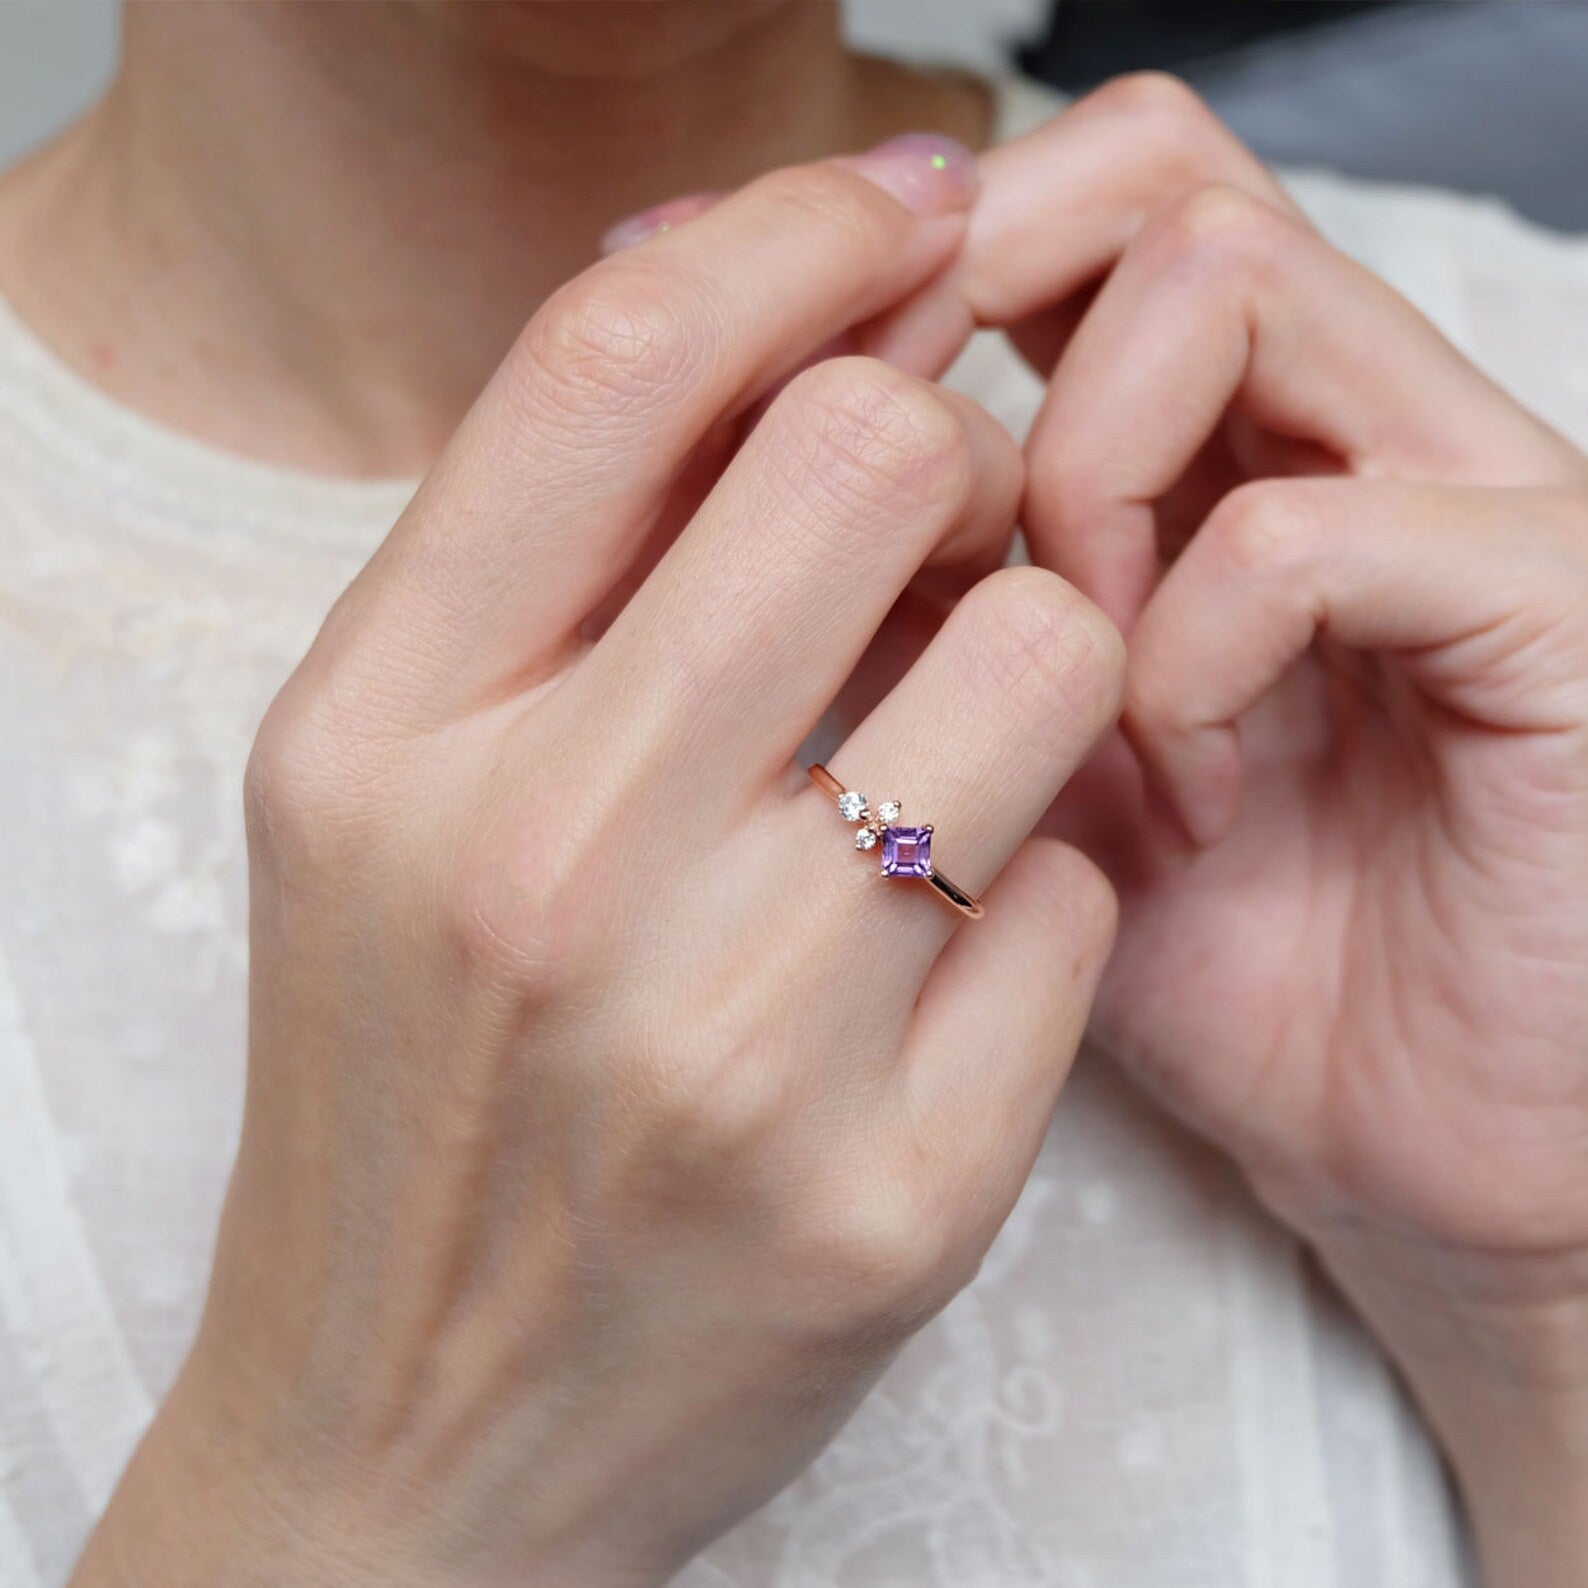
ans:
(906, 851)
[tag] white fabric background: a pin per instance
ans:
(1146, 1386)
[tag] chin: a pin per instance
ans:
(603, 38)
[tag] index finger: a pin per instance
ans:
(1059, 205)
(1224, 301)
(561, 468)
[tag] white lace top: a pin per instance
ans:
(1146, 1387)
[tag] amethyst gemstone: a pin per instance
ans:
(907, 852)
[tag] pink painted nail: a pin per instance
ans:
(926, 172)
(659, 218)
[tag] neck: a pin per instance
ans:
(309, 232)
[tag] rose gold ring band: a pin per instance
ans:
(906, 851)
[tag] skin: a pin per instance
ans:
(1349, 843)
(454, 164)
(1351, 945)
(529, 1272)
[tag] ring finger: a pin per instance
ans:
(976, 740)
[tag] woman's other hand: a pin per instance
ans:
(1354, 881)
(609, 1120)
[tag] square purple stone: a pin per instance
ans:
(907, 852)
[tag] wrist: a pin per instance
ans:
(202, 1502)
(211, 1499)
(1495, 1347)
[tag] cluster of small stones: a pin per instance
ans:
(853, 808)
(906, 851)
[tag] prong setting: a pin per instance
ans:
(905, 851)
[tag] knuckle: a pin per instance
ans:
(710, 1109)
(1225, 229)
(880, 1254)
(1170, 132)
(1261, 530)
(1169, 140)
(623, 339)
(302, 800)
(1036, 640)
(1153, 94)
(873, 436)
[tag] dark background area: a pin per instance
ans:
(1488, 96)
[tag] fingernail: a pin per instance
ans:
(659, 218)
(926, 172)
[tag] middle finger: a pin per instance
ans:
(748, 627)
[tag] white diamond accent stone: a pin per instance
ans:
(888, 810)
(865, 839)
(851, 806)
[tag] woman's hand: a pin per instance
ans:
(1354, 884)
(610, 1121)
